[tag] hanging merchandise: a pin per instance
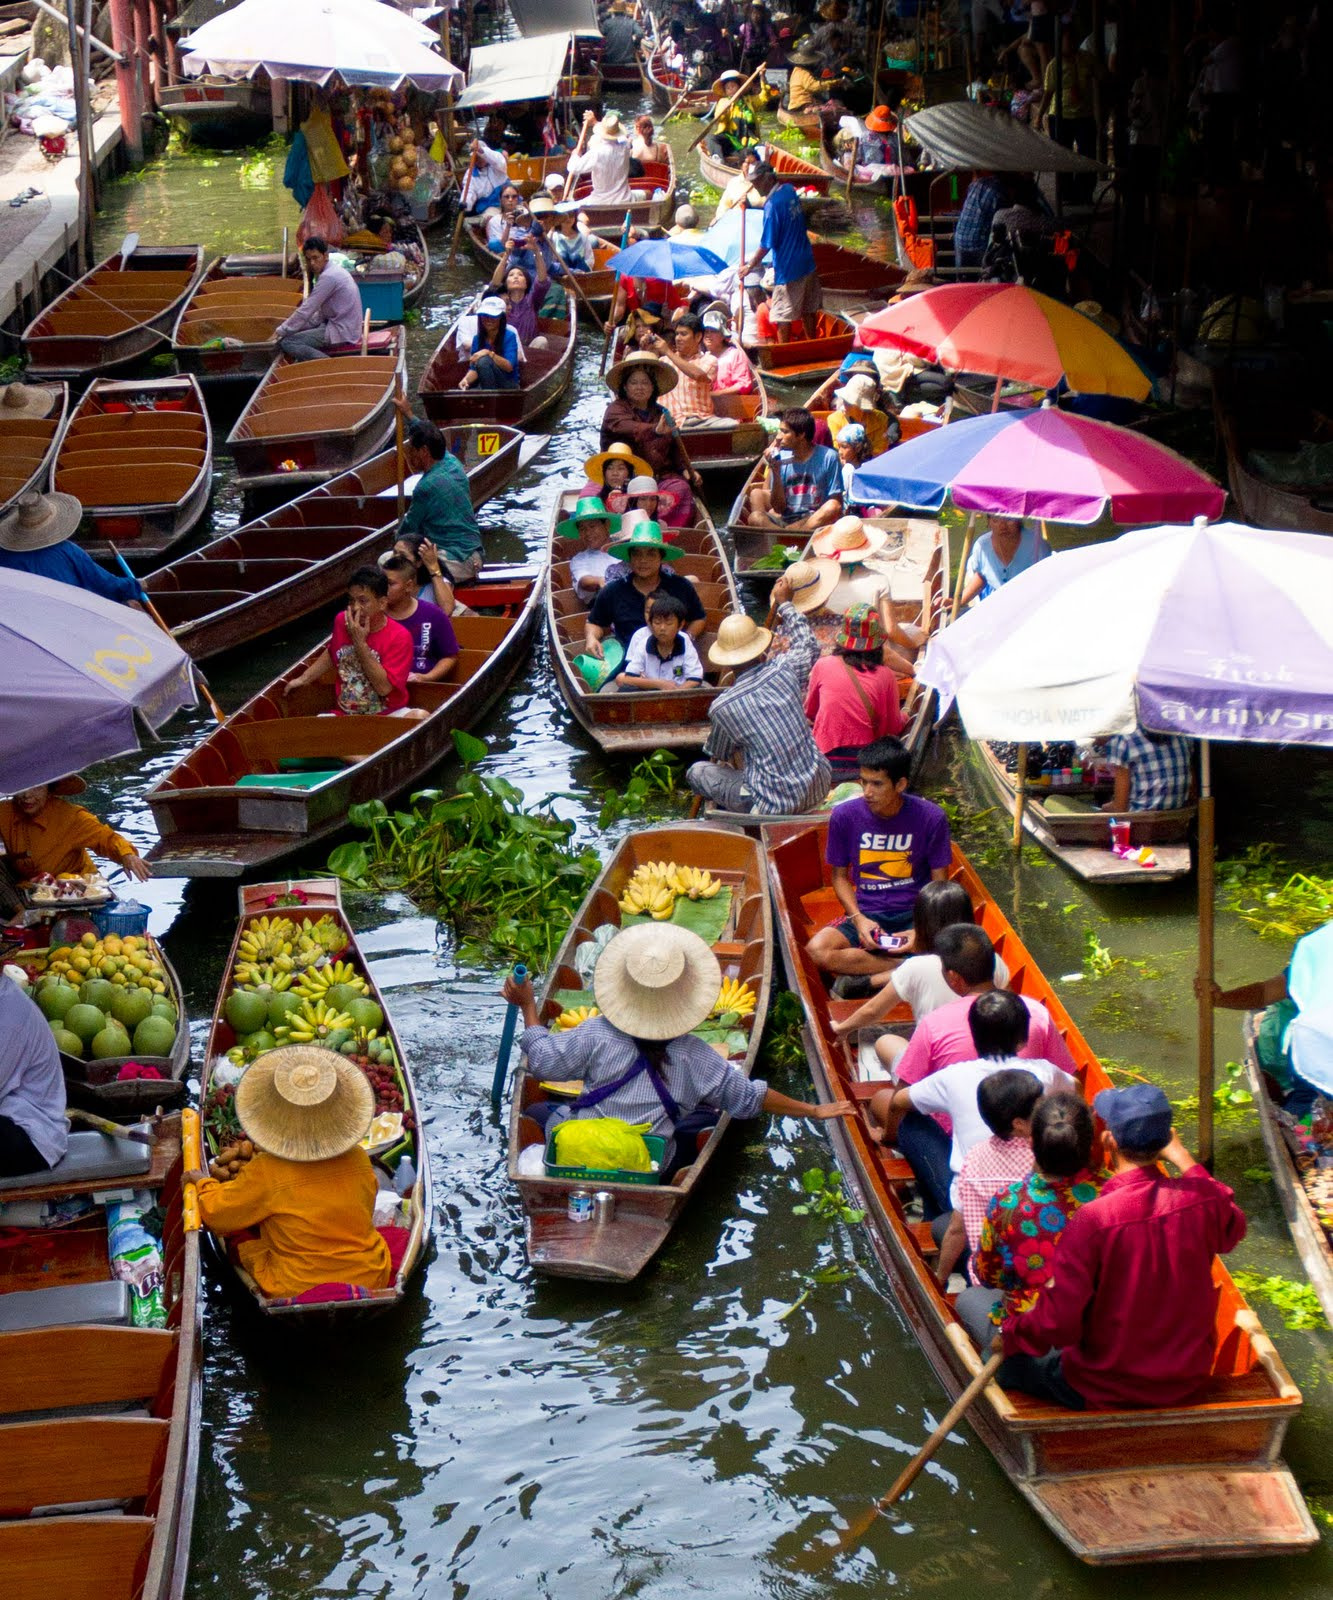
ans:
(320, 218)
(296, 174)
(325, 154)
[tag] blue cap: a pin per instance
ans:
(1138, 1118)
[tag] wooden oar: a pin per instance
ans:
(506, 1043)
(723, 107)
(113, 1129)
(128, 245)
(462, 210)
(857, 1530)
(680, 100)
(583, 300)
(399, 464)
(158, 618)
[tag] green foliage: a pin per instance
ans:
(11, 369)
(826, 1199)
(1257, 1175)
(1232, 1091)
(1098, 962)
(505, 875)
(1272, 899)
(783, 1047)
(778, 559)
(652, 790)
(1297, 1302)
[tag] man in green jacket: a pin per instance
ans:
(441, 507)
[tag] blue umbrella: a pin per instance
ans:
(666, 258)
(724, 236)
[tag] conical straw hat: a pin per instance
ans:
(656, 981)
(305, 1103)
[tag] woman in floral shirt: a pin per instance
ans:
(1023, 1224)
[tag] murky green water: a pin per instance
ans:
(504, 1435)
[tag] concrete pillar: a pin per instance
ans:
(278, 99)
(127, 80)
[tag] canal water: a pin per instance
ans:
(691, 1434)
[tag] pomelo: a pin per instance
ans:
(67, 1043)
(365, 1013)
(56, 1000)
(341, 996)
(154, 1037)
(85, 1020)
(97, 992)
(281, 1006)
(257, 1042)
(130, 1006)
(111, 1041)
(246, 1012)
(164, 1008)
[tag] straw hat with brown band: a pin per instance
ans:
(849, 541)
(305, 1103)
(664, 374)
(655, 981)
(39, 521)
(27, 400)
(812, 582)
(64, 787)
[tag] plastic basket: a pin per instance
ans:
(121, 917)
(656, 1152)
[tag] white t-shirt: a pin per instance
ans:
(953, 1090)
(585, 564)
(643, 661)
(920, 982)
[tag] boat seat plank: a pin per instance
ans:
(98, 486)
(73, 1460)
(49, 1369)
(328, 416)
(89, 1156)
(346, 738)
(107, 1302)
(74, 1558)
(118, 424)
(15, 430)
(180, 452)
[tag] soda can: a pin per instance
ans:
(580, 1205)
(603, 1206)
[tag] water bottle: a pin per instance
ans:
(405, 1178)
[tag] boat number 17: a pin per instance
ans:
(487, 443)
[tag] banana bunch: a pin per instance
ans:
(265, 939)
(654, 900)
(315, 982)
(312, 1023)
(696, 883)
(571, 1019)
(269, 975)
(325, 934)
(737, 997)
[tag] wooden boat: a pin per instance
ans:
(665, 86)
(310, 419)
(657, 186)
(1291, 1165)
(297, 558)
(226, 327)
(638, 722)
(581, 91)
(810, 182)
(416, 279)
(530, 173)
(1079, 839)
(213, 109)
(1253, 415)
(99, 1419)
(546, 375)
(116, 313)
(1169, 1484)
(801, 363)
(850, 280)
(28, 446)
(139, 456)
(618, 1250)
(597, 287)
(836, 166)
(229, 805)
(807, 121)
(619, 77)
(314, 899)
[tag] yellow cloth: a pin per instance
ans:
(875, 423)
(322, 147)
(1077, 82)
(314, 1220)
(58, 838)
(364, 239)
(803, 89)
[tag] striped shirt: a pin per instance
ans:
(988, 1170)
(693, 397)
(762, 716)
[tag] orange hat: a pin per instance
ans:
(881, 120)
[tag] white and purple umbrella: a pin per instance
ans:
(81, 673)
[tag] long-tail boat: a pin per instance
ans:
(547, 371)
(1255, 418)
(139, 457)
(810, 182)
(310, 419)
(281, 773)
(28, 443)
(226, 329)
(618, 1249)
(297, 558)
(642, 720)
(597, 287)
(408, 1239)
(851, 280)
(1115, 1486)
(120, 310)
(99, 1417)
(801, 363)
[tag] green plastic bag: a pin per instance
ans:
(605, 1144)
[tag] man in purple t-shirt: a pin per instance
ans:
(434, 643)
(882, 848)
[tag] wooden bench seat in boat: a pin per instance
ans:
(95, 1557)
(103, 1458)
(343, 739)
(249, 325)
(88, 1158)
(313, 416)
(23, 445)
(125, 485)
(64, 1305)
(67, 1368)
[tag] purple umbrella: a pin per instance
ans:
(79, 670)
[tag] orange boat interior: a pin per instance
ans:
(24, 444)
(113, 301)
(247, 309)
(300, 398)
(131, 447)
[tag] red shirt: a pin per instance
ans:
(354, 694)
(1131, 1301)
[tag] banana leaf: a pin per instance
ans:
(707, 918)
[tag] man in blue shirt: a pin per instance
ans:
(35, 538)
(1008, 549)
(971, 233)
(797, 295)
(804, 485)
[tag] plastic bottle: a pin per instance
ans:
(405, 1177)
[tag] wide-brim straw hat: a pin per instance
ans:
(812, 582)
(644, 536)
(664, 374)
(305, 1103)
(739, 639)
(860, 390)
(610, 127)
(595, 466)
(38, 521)
(656, 981)
(802, 58)
(27, 400)
(849, 541)
(722, 86)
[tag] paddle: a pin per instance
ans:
(157, 617)
(856, 1531)
(284, 252)
(112, 1129)
(583, 300)
(128, 245)
(724, 107)
(398, 443)
(679, 101)
(506, 1043)
(462, 210)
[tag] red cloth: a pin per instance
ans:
(396, 1239)
(322, 1293)
(393, 645)
(1131, 1301)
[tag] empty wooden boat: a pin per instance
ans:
(1265, 427)
(28, 438)
(119, 311)
(1201, 1480)
(1296, 1175)
(852, 280)
(310, 419)
(280, 775)
(666, 86)
(139, 456)
(99, 1418)
(654, 207)
(1078, 835)
(226, 329)
(617, 1250)
(810, 182)
(640, 721)
(802, 363)
(297, 558)
(546, 374)
(408, 1238)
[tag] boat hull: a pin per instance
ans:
(27, 448)
(516, 408)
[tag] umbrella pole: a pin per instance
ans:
(962, 565)
(1020, 794)
(995, 394)
(1206, 893)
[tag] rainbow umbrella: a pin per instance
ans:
(1007, 330)
(1053, 465)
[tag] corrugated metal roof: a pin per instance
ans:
(966, 137)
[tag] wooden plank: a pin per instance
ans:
(74, 1558)
(72, 1460)
(48, 1369)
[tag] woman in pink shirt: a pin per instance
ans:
(734, 373)
(853, 695)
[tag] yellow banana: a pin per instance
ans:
(571, 1019)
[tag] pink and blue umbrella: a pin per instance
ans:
(668, 259)
(1049, 464)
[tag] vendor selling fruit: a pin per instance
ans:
(43, 833)
(309, 1188)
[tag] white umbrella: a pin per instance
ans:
(1221, 632)
(358, 42)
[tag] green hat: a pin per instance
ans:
(645, 536)
(588, 509)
